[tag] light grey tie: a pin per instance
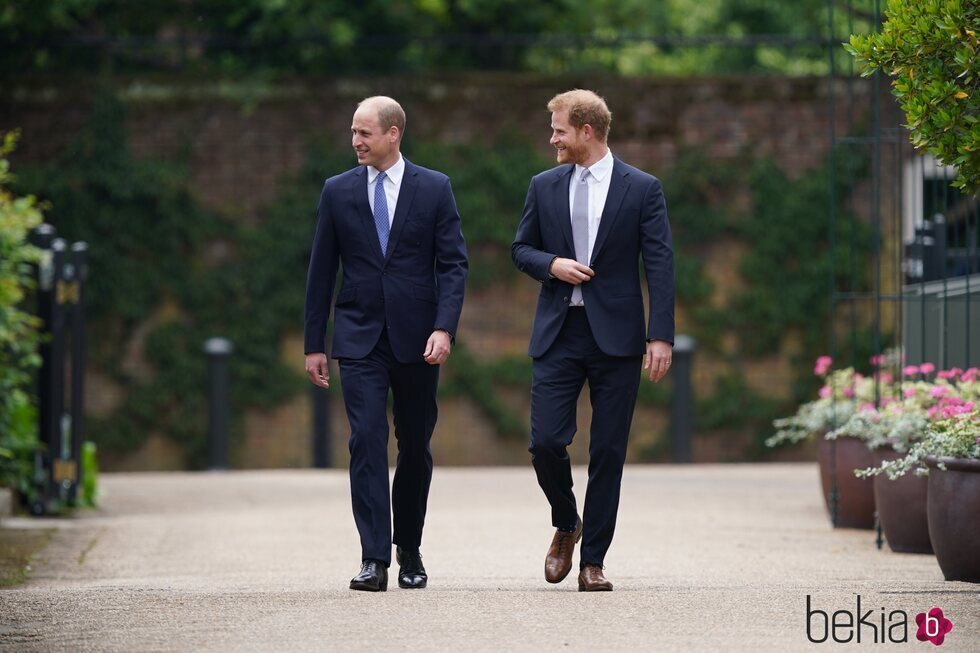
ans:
(580, 227)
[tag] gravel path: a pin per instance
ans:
(706, 558)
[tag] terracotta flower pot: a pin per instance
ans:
(902, 507)
(855, 496)
(954, 517)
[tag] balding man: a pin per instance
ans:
(586, 226)
(394, 229)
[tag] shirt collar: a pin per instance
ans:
(599, 169)
(394, 173)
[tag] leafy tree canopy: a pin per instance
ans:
(932, 50)
(331, 37)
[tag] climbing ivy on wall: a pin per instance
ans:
(162, 263)
(784, 272)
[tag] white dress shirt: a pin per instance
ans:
(598, 183)
(393, 184)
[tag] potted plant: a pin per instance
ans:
(948, 452)
(849, 500)
(954, 495)
(901, 502)
(888, 427)
(901, 418)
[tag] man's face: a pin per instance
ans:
(569, 141)
(374, 146)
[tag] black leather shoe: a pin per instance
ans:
(373, 577)
(411, 573)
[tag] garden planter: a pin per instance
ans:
(901, 505)
(855, 496)
(954, 517)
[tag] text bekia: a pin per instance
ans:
(843, 626)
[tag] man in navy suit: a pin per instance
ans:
(586, 225)
(394, 228)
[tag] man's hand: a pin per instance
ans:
(657, 360)
(318, 370)
(437, 348)
(570, 271)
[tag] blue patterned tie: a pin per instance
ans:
(381, 212)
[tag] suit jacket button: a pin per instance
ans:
(565, 299)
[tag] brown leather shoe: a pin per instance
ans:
(590, 579)
(558, 562)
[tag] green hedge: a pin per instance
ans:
(19, 336)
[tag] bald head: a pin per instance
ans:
(388, 112)
(376, 132)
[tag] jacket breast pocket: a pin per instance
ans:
(418, 228)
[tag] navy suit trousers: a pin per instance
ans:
(556, 383)
(366, 382)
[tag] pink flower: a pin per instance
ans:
(939, 391)
(953, 411)
(911, 370)
(825, 392)
(908, 393)
(927, 368)
(866, 407)
(848, 392)
(887, 378)
(970, 374)
(943, 374)
(823, 365)
(878, 361)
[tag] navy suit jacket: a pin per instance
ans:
(634, 224)
(413, 290)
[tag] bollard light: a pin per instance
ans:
(218, 350)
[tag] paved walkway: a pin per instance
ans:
(706, 558)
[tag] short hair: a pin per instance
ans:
(584, 107)
(390, 113)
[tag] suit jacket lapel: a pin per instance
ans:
(406, 194)
(618, 185)
(360, 192)
(562, 181)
